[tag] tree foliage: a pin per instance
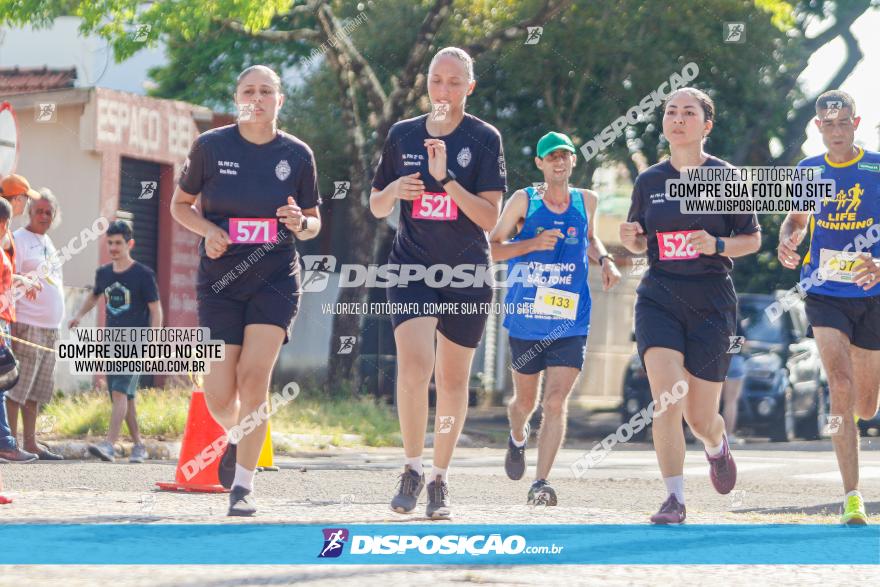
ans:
(352, 69)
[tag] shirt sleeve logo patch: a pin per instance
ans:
(502, 167)
(282, 170)
(464, 157)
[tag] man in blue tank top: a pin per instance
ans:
(552, 228)
(841, 276)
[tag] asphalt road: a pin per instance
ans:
(793, 483)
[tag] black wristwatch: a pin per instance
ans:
(449, 177)
(304, 224)
(603, 257)
(719, 245)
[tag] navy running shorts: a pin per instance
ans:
(857, 318)
(461, 312)
(533, 356)
(693, 315)
(254, 297)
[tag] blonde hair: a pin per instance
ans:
(459, 54)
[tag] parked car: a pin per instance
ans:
(785, 390)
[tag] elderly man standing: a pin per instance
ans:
(38, 321)
(16, 190)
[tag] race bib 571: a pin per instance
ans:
(253, 231)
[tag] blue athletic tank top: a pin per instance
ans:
(848, 220)
(564, 268)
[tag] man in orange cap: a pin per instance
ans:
(17, 185)
(16, 189)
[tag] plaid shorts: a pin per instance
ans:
(36, 382)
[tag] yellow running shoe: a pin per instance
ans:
(854, 512)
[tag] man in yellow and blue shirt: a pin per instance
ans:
(842, 270)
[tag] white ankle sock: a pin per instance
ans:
(415, 463)
(851, 493)
(714, 451)
(516, 442)
(243, 477)
(675, 486)
(438, 471)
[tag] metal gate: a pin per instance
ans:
(139, 197)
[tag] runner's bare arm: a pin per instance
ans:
(734, 246)
(791, 233)
(632, 236)
(182, 210)
(408, 187)
(292, 216)
(313, 223)
(514, 212)
(482, 208)
(381, 202)
(597, 250)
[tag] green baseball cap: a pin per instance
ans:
(552, 141)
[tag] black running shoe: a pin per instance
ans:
(241, 502)
(438, 500)
(515, 461)
(541, 493)
(226, 471)
(410, 487)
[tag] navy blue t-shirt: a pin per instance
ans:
(431, 231)
(656, 214)
(127, 294)
(240, 179)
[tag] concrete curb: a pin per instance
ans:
(169, 450)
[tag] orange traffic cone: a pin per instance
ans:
(266, 462)
(203, 443)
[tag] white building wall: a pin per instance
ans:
(62, 46)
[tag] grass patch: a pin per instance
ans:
(374, 420)
(162, 414)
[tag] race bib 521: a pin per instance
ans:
(435, 206)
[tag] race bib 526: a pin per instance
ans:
(674, 246)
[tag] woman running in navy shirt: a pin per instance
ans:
(686, 305)
(447, 170)
(258, 188)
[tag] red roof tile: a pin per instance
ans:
(20, 80)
